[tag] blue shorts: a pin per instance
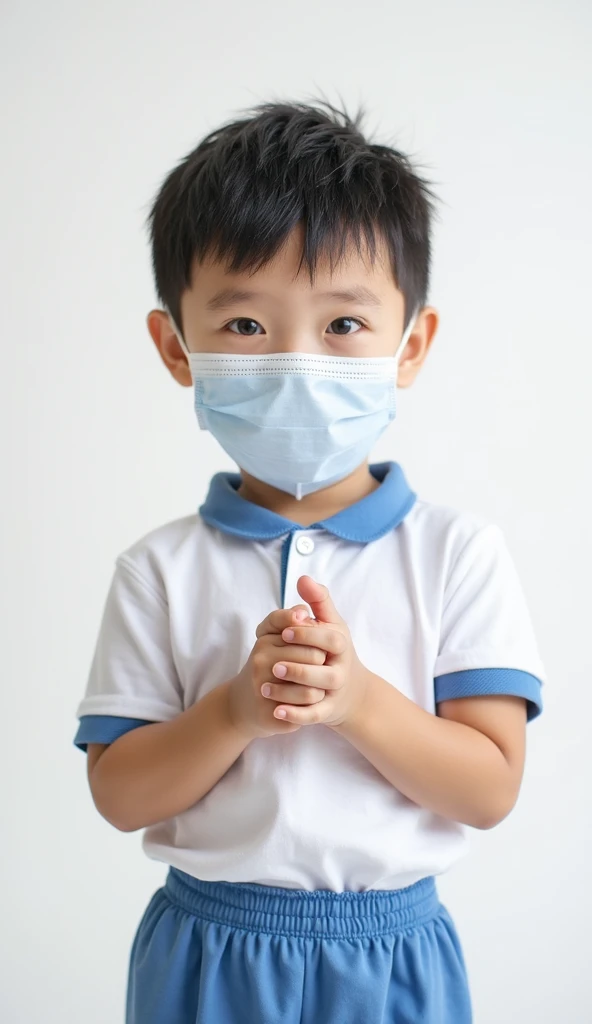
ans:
(227, 953)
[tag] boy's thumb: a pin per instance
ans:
(318, 597)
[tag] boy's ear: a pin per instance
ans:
(415, 352)
(170, 351)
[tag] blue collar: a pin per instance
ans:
(362, 522)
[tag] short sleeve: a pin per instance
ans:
(487, 643)
(133, 679)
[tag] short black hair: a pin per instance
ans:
(237, 196)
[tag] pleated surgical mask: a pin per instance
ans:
(299, 422)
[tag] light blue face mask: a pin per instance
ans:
(298, 422)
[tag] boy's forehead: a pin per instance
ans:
(367, 280)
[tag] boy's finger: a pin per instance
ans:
(323, 677)
(292, 693)
(277, 620)
(328, 639)
(306, 714)
(303, 655)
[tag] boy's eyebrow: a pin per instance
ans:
(232, 296)
(228, 297)
(357, 293)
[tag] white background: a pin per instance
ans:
(99, 101)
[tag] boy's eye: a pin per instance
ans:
(248, 328)
(245, 326)
(342, 324)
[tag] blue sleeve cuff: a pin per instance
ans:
(484, 682)
(104, 729)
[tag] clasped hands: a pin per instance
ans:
(301, 671)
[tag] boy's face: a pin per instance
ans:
(355, 311)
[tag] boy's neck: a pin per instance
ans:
(313, 508)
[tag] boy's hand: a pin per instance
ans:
(342, 676)
(249, 710)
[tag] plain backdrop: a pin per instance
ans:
(99, 445)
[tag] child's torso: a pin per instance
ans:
(307, 810)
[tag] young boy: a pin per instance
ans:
(305, 776)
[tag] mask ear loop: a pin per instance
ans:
(406, 335)
(180, 337)
(197, 386)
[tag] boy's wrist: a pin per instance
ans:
(232, 720)
(365, 710)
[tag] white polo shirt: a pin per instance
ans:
(434, 606)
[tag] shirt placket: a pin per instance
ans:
(298, 560)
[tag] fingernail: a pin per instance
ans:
(280, 713)
(280, 671)
(288, 634)
(300, 615)
(266, 690)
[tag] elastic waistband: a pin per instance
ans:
(296, 912)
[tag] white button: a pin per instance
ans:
(305, 545)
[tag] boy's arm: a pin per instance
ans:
(171, 757)
(465, 765)
(157, 771)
